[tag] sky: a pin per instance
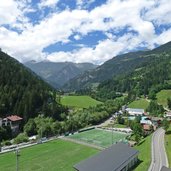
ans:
(82, 30)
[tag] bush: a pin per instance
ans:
(21, 138)
(6, 143)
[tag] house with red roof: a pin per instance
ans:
(14, 122)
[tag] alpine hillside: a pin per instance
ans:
(118, 66)
(58, 73)
(23, 92)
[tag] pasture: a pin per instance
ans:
(52, 156)
(79, 101)
(162, 97)
(142, 104)
(102, 138)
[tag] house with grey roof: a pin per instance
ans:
(118, 157)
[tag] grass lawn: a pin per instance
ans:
(144, 155)
(142, 104)
(79, 101)
(52, 156)
(168, 145)
(98, 137)
(119, 126)
(162, 97)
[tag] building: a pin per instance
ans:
(146, 120)
(168, 115)
(13, 121)
(135, 112)
(165, 169)
(118, 157)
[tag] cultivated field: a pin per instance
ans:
(99, 137)
(142, 104)
(79, 101)
(162, 97)
(57, 155)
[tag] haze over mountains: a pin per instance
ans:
(58, 73)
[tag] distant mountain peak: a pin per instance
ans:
(58, 73)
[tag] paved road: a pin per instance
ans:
(159, 157)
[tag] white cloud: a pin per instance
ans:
(9, 12)
(48, 3)
(160, 13)
(102, 52)
(137, 16)
(82, 4)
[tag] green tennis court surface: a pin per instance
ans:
(102, 138)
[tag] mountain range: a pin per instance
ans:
(117, 66)
(58, 73)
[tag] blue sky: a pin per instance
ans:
(82, 30)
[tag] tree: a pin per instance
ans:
(169, 103)
(30, 127)
(165, 124)
(137, 131)
(120, 120)
(22, 137)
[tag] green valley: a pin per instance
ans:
(79, 101)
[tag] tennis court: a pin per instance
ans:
(99, 137)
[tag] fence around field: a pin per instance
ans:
(100, 137)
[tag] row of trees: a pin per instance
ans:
(73, 121)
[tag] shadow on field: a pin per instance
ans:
(141, 142)
(138, 163)
(168, 132)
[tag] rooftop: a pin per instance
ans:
(109, 159)
(135, 110)
(14, 118)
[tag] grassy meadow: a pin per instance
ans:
(79, 101)
(162, 97)
(168, 145)
(145, 154)
(52, 156)
(142, 104)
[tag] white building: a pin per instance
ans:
(135, 112)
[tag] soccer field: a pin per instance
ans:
(57, 155)
(102, 138)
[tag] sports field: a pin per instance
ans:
(102, 138)
(79, 101)
(57, 155)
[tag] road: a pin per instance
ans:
(159, 157)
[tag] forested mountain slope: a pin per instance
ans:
(22, 92)
(117, 66)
